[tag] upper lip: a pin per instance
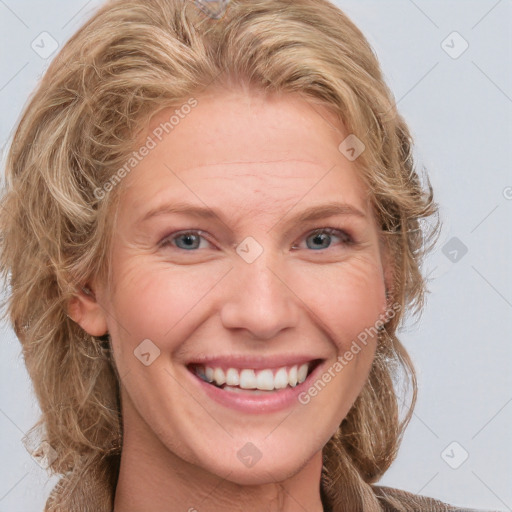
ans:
(254, 362)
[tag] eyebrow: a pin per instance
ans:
(309, 214)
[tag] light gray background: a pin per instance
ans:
(460, 112)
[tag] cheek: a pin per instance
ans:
(346, 298)
(152, 300)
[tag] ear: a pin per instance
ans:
(86, 312)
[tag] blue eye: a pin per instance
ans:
(191, 240)
(324, 236)
(317, 240)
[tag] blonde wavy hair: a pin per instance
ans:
(131, 59)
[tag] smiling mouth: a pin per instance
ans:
(258, 381)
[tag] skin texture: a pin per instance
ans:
(258, 160)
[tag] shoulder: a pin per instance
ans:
(397, 500)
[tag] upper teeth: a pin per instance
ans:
(266, 380)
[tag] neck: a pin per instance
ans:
(150, 473)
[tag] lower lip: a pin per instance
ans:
(248, 402)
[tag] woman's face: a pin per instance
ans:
(217, 270)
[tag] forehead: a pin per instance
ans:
(252, 150)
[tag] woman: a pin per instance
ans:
(211, 231)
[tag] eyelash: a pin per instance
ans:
(346, 238)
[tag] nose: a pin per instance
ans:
(260, 299)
